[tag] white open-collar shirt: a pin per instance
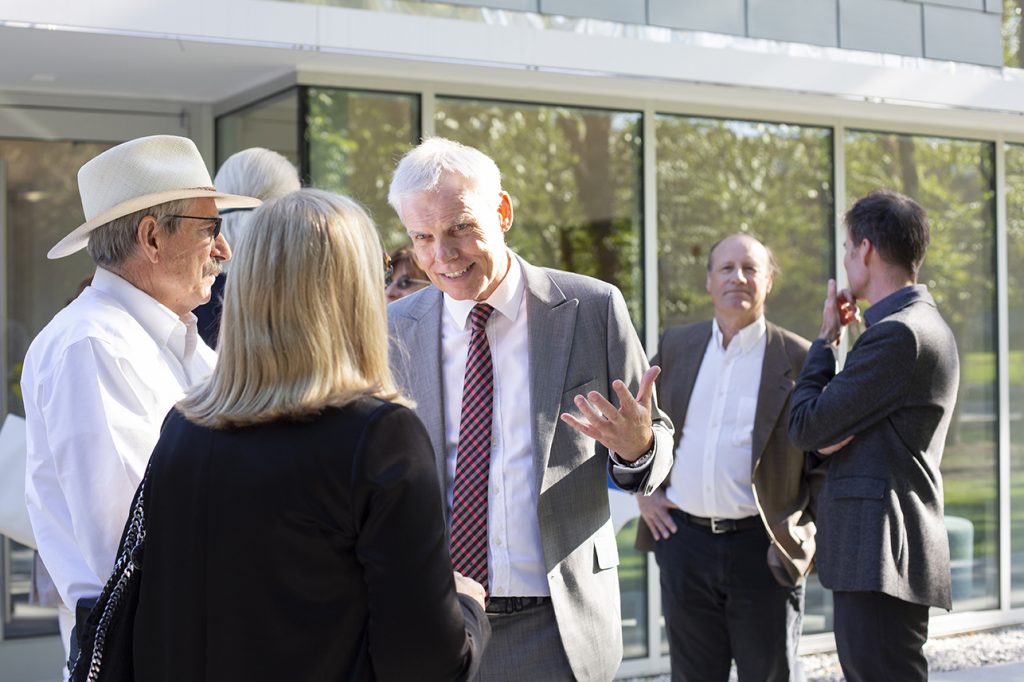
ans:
(515, 554)
(97, 383)
(711, 476)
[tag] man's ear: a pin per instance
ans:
(505, 212)
(150, 238)
(867, 251)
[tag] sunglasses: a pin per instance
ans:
(212, 219)
(405, 282)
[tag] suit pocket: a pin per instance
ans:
(858, 487)
(606, 552)
(580, 389)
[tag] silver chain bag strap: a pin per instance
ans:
(105, 651)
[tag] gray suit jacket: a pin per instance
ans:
(580, 339)
(782, 484)
(880, 523)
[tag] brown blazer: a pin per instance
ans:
(782, 482)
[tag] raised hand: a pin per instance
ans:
(625, 430)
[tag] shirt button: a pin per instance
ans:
(496, 490)
(499, 591)
(498, 542)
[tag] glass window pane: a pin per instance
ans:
(40, 188)
(575, 179)
(1013, 31)
(355, 140)
(716, 177)
(272, 123)
(1015, 287)
(633, 591)
(953, 180)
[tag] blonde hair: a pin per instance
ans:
(304, 324)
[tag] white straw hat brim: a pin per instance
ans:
(79, 237)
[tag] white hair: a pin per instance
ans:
(426, 166)
(254, 172)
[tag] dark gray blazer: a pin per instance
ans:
(580, 339)
(880, 519)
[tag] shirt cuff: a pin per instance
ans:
(641, 463)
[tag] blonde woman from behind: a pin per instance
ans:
(294, 521)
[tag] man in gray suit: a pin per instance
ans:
(882, 544)
(493, 353)
(731, 529)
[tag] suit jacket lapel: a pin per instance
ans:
(421, 335)
(683, 375)
(550, 323)
(776, 384)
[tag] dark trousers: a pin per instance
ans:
(721, 603)
(880, 637)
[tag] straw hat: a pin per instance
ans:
(137, 175)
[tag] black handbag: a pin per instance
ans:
(105, 647)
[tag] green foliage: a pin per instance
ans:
(574, 176)
(717, 177)
(1013, 31)
(355, 141)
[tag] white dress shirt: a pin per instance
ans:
(712, 472)
(515, 554)
(97, 383)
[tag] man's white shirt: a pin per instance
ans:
(97, 383)
(712, 472)
(515, 556)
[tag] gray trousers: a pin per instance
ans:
(525, 647)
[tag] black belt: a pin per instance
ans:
(514, 604)
(719, 526)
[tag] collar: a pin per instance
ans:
(506, 299)
(897, 300)
(746, 337)
(159, 321)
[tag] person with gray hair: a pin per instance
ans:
(254, 172)
(100, 377)
(496, 355)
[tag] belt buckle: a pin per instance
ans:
(716, 529)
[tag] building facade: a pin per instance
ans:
(631, 134)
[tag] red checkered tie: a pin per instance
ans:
(473, 463)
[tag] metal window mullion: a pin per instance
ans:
(650, 231)
(1003, 377)
(839, 206)
(651, 324)
(428, 108)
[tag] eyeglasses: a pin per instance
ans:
(405, 282)
(216, 220)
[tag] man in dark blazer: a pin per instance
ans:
(731, 530)
(882, 544)
(554, 343)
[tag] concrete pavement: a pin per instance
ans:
(998, 672)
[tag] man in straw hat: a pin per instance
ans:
(101, 376)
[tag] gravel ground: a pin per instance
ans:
(968, 650)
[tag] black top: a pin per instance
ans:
(208, 314)
(301, 550)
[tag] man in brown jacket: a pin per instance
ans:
(732, 531)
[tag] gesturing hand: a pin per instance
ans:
(625, 430)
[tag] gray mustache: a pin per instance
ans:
(213, 267)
